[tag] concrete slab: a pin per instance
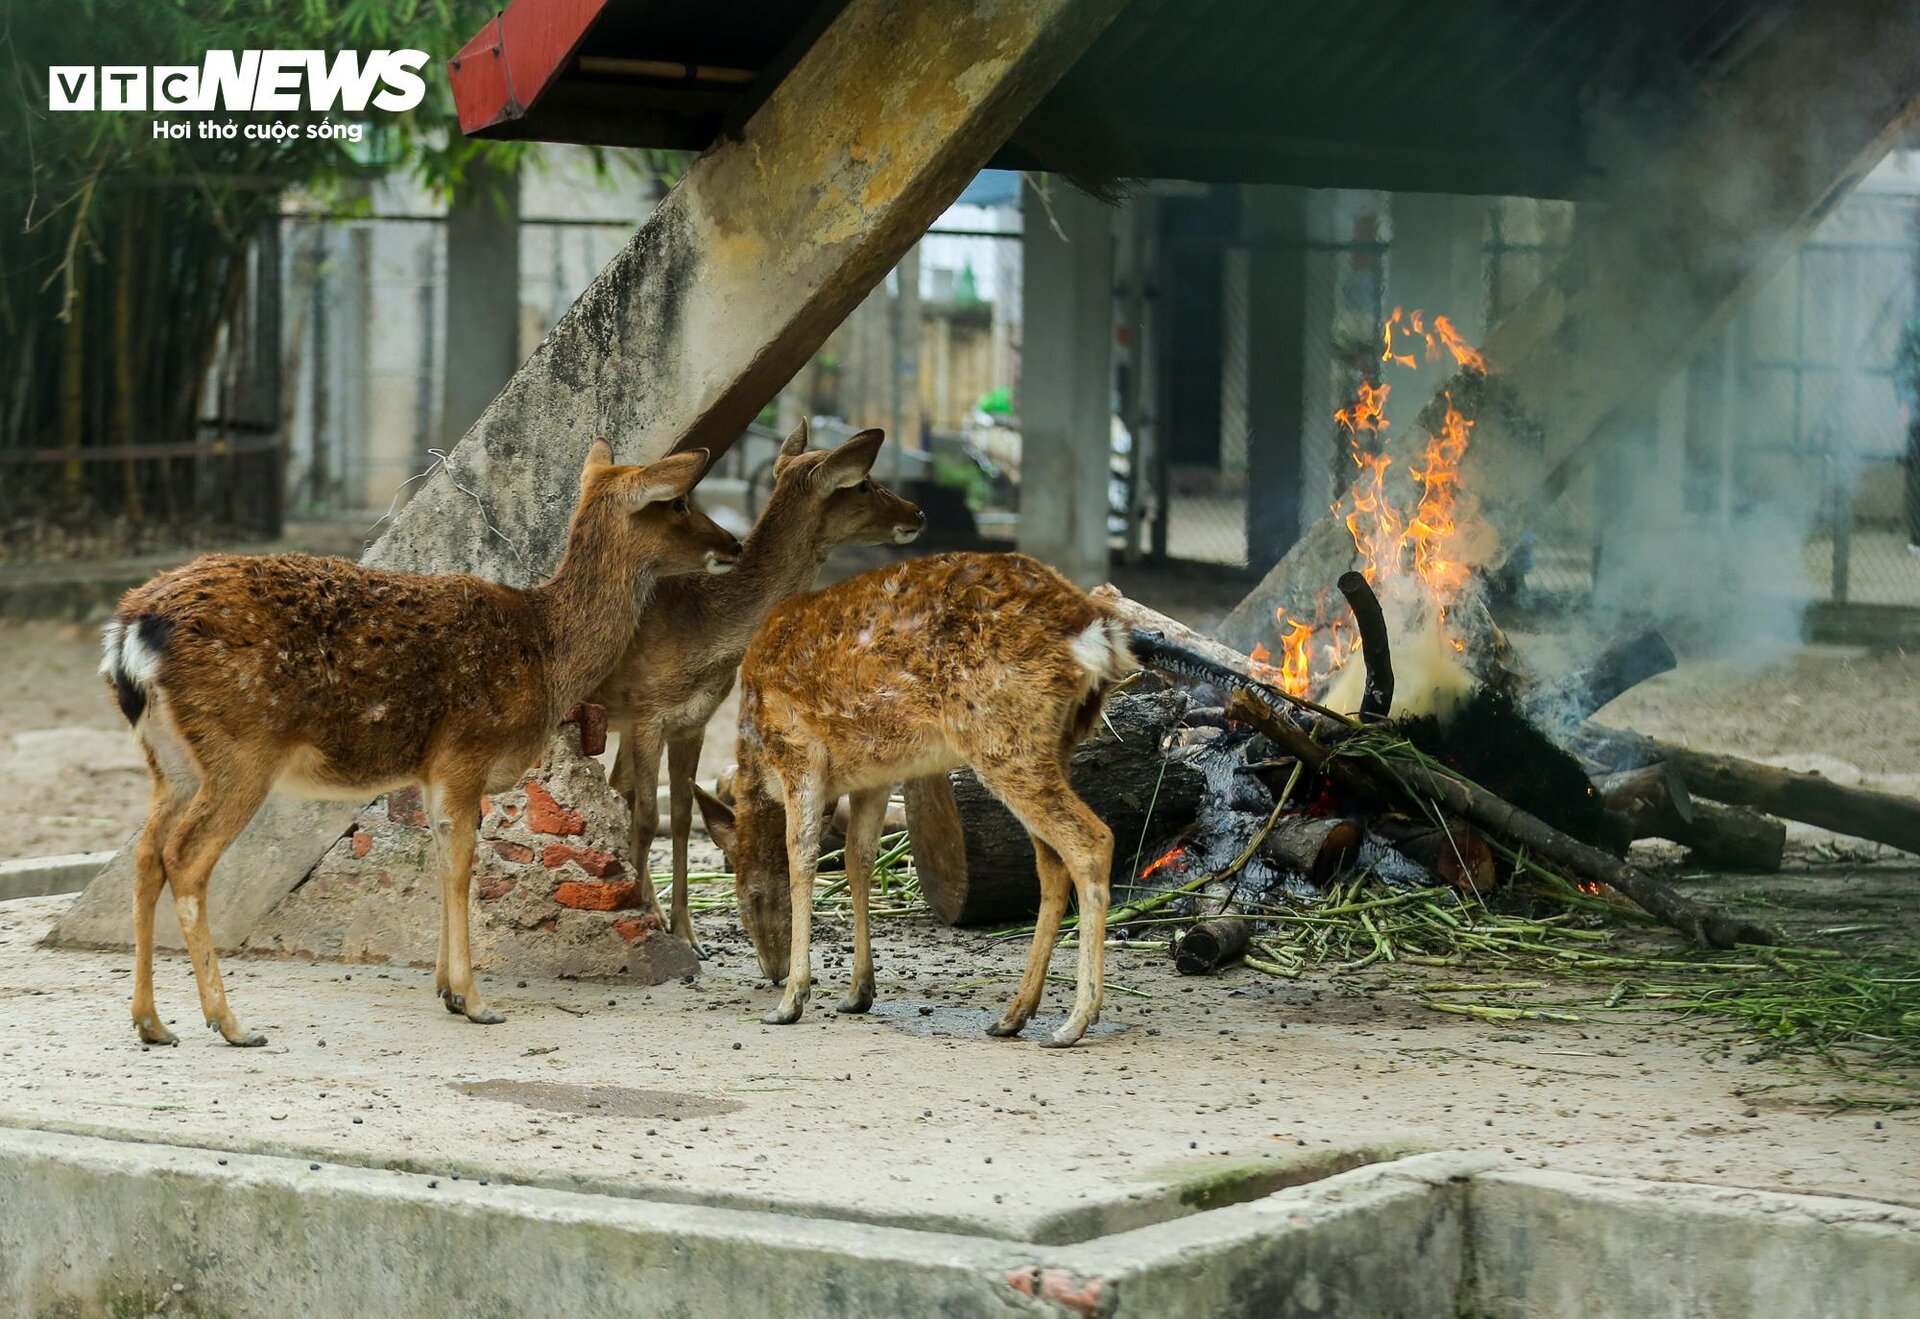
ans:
(96, 1226)
(42, 876)
(1198, 1094)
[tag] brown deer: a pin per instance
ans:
(317, 677)
(686, 649)
(989, 660)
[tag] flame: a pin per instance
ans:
(1164, 860)
(1426, 550)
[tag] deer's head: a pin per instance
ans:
(752, 835)
(835, 489)
(645, 516)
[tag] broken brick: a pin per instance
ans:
(362, 842)
(635, 928)
(621, 895)
(404, 806)
(518, 853)
(547, 816)
(601, 865)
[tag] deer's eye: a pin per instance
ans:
(682, 506)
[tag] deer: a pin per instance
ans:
(993, 661)
(685, 650)
(319, 678)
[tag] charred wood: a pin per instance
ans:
(1313, 846)
(1880, 817)
(1503, 820)
(1210, 945)
(1653, 802)
(1572, 698)
(1375, 650)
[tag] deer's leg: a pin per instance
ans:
(866, 811)
(1043, 802)
(150, 876)
(643, 798)
(806, 801)
(220, 809)
(1054, 887)
(683, 762)
(437, 868)
(453, 813)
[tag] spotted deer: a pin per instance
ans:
(243, 675)
(686, 648)
(993, 661)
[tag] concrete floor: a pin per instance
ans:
(1191, 1094)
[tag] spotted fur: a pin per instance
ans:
(686, 648)
(321, 678)
(988, 660)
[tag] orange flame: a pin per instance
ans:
(1426, 546)
(1164, 860)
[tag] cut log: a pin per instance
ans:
(1314, 846)
(1455, 853)
(1653, 802)
(1375, 651)
(1210, 945)
(1881, 817)
(1502, 820)
(1121, 772)
(1571, 699)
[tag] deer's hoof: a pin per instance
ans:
(857, 1001)
(152, 1032)
(479, 1014)
(239, 1037)
(1007, 1027)
(1064, 1038)
(450, 1001)
(784, 1015)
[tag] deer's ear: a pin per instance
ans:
(719, 819)
(850, 463)
(599, 454)
(798, 442)
(670, 478)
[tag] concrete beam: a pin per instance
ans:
(733, 282)
(1690, 235)
(1066, 380)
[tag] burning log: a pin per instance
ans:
(1436, 789)
(1375, 652)
(975, 860)
(1653, 802)
(1572, 698)
(1458, 797)
(1313, 846)
(1210, 945)
(1880, 817)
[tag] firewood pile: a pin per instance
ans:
(1233, 803)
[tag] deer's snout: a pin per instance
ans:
(723, 560)
(905, 533)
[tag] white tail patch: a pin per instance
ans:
(1101, 647)
(123, 652)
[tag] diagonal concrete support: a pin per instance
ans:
(732, 283)
(1689, 236)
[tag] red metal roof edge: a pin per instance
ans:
(512, 61)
